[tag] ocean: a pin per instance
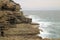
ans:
(49, 21)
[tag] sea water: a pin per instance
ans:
(49, 21)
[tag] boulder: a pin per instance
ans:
(9, 5)
(13, 6)
(3, 2)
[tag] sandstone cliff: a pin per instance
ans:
(14, 25)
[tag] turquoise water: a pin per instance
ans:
(49, 22)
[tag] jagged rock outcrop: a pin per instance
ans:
(9, 5)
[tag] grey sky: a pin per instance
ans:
(39, 4)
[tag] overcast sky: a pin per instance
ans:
(39, 4)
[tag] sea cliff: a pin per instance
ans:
(14, 25)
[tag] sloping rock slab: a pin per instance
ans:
(23, 29)
(21, 38)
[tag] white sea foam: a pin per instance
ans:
(49, 22)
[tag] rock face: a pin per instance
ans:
(14, 25)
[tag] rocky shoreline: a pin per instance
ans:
(14, 25)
